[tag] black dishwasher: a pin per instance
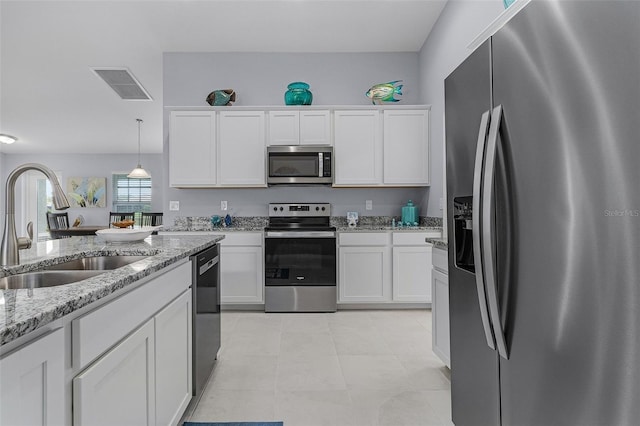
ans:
(206, 316)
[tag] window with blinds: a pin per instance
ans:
(131, 195)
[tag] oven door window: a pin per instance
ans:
(300, 261)
(293, 164)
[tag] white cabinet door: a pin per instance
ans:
(284, 127)
(315, 128)
(173, 360)
(300, 127)
(119, 388)
(192, 150)
(32, 386)
(358, 148)
(241, 274)
(241, 149)
(365, 274)
(406, 147)
(440, 316)
(412, 274)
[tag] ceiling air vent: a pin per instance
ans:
(123, 83)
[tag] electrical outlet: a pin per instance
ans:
(223, 205)
(174, 206)
(368, 205)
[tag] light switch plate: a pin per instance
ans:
(174, 206)
(223, 205)
(368, 204)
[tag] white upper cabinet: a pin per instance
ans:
(300, 127)
(241, 148)
(357, 148)
(406, 147)
(373, 146)
(192, 153)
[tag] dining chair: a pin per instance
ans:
(57, 221)
(151, 219)
(119, 217)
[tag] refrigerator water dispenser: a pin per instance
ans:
(463, 242)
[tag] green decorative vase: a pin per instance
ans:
(298, 94)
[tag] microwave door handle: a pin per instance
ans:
(320, 165)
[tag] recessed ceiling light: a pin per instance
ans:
(8, 139)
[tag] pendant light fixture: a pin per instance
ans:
(138, 172)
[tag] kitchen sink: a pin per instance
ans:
(99, 263)
(44, 279)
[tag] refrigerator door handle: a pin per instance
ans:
(488, 201)
(477, 230)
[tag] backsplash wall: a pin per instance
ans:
(260, 79)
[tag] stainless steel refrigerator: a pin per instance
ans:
(543, 203)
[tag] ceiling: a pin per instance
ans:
(52, 101)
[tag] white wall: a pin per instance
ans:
(261, 79)
(84, 165)
(445, 48)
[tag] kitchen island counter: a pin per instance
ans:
(26, 310)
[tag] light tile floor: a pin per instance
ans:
(351, 368)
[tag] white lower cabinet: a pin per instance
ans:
(364, 266)
(412, 274)
(365, 274)
(119, 388)
(411, 267)
(173, 360)
(241, 268)
(133, 355)
(440, 306)
(32, 385)
(384, 267)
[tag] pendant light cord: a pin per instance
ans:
(139, 120)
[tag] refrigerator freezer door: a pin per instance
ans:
(474, 366)
(568, 77)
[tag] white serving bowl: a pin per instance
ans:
(116, 235)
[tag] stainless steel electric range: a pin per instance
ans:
(300, 259)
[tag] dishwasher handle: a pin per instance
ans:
(210, 264)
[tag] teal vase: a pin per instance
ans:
(507, 3)
(298, 94)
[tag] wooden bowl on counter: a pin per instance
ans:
(123, 223)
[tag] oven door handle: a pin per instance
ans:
(300, 234)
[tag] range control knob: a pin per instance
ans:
(281, 209)
(323, 209)
(318, 208)
(275, 209)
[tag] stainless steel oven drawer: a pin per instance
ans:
(300, 299)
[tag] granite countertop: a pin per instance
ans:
(211, 229)
(25, 310)
(258, 223)
(440, 243)
(374, 227)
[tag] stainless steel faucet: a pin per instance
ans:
(10, 242)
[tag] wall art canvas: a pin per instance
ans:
(87, 191)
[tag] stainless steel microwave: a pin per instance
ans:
(308, 165)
